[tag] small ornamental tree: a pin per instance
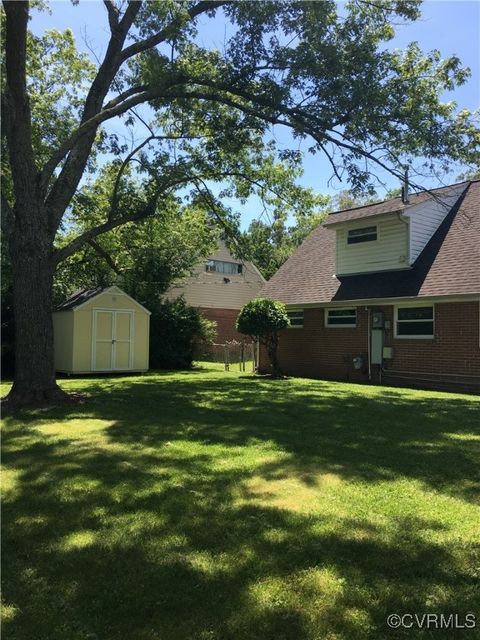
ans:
(262, 319)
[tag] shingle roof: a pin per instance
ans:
(448, 265)
(388, 206)
(78, 298)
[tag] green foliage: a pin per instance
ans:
(142, 258)
(177, 333)
(269, 245)
(472, 174)
(58, 79)
(261, 317)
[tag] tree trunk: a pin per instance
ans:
(32, 276)
(272, 350)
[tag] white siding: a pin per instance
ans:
(210, 290)
(425, 218)
(388, 252)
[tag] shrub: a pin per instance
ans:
(177, 331)
(262, 319)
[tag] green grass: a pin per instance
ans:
(207, 505)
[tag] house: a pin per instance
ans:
(101, 330)
(219, 287)
(387, 293)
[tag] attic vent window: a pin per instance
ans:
(365, 234)
(219, 266)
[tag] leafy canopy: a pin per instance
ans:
(317, 68)
(261, 317)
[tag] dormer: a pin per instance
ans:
(390, 235)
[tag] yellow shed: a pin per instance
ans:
(101, 330)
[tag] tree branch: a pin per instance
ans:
(112, 14)
(171, 29)
(67, 182)
(90, 234)
(106, 256)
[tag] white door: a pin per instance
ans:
(112, 340)
(123, 344)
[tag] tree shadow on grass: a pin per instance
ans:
(325, 427)
(152, 527)
(129, 545)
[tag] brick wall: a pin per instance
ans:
(323, 352)
(454, 349)
(225, 319)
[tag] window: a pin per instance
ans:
(341, 317)
(296, 319)
(366, 234)
(219, 266)
(414, 322)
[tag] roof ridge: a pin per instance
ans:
(372, 204)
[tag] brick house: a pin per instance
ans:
(387, 293)
(219, 287)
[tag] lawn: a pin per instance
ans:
(207, 505)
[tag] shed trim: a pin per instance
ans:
(116, 290)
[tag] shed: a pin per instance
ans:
(101, 330)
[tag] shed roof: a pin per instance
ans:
(82, 296)
(79, 297)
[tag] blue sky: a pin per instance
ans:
(451, 26)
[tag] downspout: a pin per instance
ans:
(368, 344)
(405, 200)
(406, 222)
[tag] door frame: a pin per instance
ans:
(95, 312)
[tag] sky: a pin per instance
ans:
(452, 26)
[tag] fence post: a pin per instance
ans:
(226, 358)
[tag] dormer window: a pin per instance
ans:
(365, 234)
(220, 266)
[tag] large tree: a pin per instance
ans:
(323, 74)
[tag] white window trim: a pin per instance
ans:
(339, 326)
(413, 306)
(303, 318)
(350, 244)
(223, 273)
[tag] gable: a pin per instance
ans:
(210, 288)
(447, 266)
(425, 218)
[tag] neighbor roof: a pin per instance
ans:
(79, 297)
(448, 265)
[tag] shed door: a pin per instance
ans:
(122, 346)
(112, 340)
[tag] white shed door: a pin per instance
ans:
(122, 345)
(112, 340)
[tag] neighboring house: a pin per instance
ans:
(388, 292)
(219, 287)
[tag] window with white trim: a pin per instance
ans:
(341, 317)
(365, 234)
(296, 319)
(414, 322)
(220, 266)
